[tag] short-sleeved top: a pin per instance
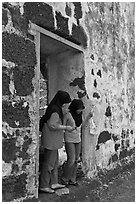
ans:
(75, 135)
(52, 136)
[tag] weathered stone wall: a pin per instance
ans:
(106, 32)
(109, 80)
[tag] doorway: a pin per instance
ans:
(59, 63)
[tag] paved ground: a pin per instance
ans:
(116, 186)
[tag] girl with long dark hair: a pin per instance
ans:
(52, 139)
(72, 141)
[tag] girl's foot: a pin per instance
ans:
(57, 186)
(47, 190)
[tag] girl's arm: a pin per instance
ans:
(54, 123)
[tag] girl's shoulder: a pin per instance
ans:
(68, 115)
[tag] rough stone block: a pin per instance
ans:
(79, 34)
(62, 24)
(9, 150)
(23, 80)
(103, 137)
(4, 17)
(80, 82)
(19, 50)
(5, 84)
(15, 114)
(14, 187)
(40, 14)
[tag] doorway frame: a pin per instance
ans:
(36, 31)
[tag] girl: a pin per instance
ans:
(52, 140)
(72, 141)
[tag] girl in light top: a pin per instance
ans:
(72, 141)
(52, 140)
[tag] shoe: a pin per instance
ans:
(57, 186)
(73, 183)
(46, 190)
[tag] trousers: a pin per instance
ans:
(49, 169)
(70, 167)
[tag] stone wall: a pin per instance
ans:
(106, 33)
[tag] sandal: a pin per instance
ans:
(46, 190)
(57, 186)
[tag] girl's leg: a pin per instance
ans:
(54, 172)
(68, 167)
(77, 155)
(50, 157)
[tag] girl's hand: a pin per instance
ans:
(69, 128)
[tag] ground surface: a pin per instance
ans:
(116, 186)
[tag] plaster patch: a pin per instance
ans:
(8, 64)
(6, 169)
(32, 149)
(17, 123)
(31, 185)
(12, 87)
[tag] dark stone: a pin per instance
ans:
(19, 50)
(122, 144)
(131, 132)
(39, 13)
(128, 132)
(97, 147)
(9, 150)
(127, 143)
(25, 164)
(81, 95)
(96, 95)
(104, 136)
(77, 11)
(123, 134)
(102, 5)
(5, 84)
(4, 17)
(99, 73)
(23, 80)
(114, 157)
(19, 113)
(123, 154)
(95, 83)
(80, 82)
(17, 132)
(115, 137)
(4, 135)
(131, 152)
(108, 112)
(79, 34)
(92, 72)
(15, 169)
(68, 10)
(8, 135)
(92, 56)
(14, 187)
(117, 147)
(23, 154)
(110, 161)
(62, 23)
(19, 22)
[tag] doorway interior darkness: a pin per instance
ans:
(55, 57)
